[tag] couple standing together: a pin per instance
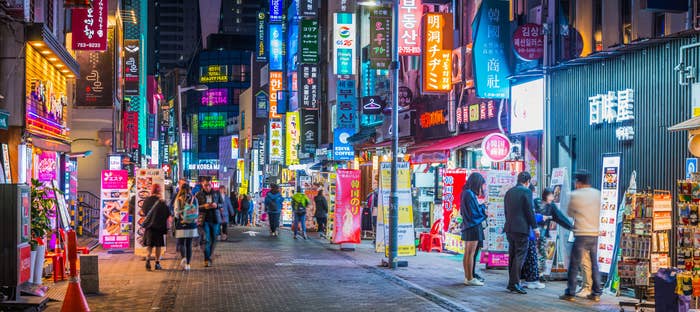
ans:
(520, 225)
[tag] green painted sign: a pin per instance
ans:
(309, 41)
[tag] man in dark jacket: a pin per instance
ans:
(273, 206)
(520, 219)
(209, 203)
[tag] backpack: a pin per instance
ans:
(299, 207)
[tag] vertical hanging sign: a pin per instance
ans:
(347, 225)
(276, 47)
(261, 39)
(308, 86)
(308, 8)
(491, 41)
(90, 27)
(292, 138)
(344, 43)
(276, 9)
(437, 56)
(346, 114)
(275, 86)
(131, 67)
(276, 146)
(380, 38)
(309, 41)
(410, 14)
(309, 130)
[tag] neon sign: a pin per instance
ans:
(214, 97)
(212, 120)
(213, 73)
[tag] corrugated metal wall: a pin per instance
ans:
(657, 155)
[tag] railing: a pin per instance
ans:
(88, 220)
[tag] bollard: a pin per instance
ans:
(89, 274)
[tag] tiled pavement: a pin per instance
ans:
(259, 273)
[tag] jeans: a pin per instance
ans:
(322, 224)
(250, 218)
(299, 221)
(517, 250)
(586, 273)
(584, 245)
(211, 230)
(274, 221)
(242, 217)
(185, 246)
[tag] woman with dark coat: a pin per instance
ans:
(156, 224)
(321, 213)
(473, 213)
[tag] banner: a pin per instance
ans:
(309, 86)
(491, 29)
(380, 38)
(276, 10)
(115, 227)
(348, 215)
(292, 138)
(145, 179)
(406, 234)
(410, 14)
(276, 47)
(132, 51)
(261, 39)
(437, 59)
(96, 83)
(309, 130)
(309, 41)
(344, 43)
(276, 147)
(453, 181)
(90, 27)
(346, 113)
(609, 201)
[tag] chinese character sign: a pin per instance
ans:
(346, 113)
(308, 86)
(309, 41)
(292, 138)
(344, 43)
(309, 130)
(308, 8)
(496, 147)
(437, 52)
(348, 213)
(276, 136)
(410, 14)
(380, 37)
(275, 85)
(490, 49)
(613, 108)
(90, 27)
(115, 226)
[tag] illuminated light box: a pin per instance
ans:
(213, 73)
(212, 120)
(214, 97)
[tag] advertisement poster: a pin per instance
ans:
(406, 234)
(453, 181)
(609, 199)
(348, 222)
(555, 244)
(498, 183)
(114, 209)
(145, 179)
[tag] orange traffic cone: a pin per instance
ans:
(75, 299)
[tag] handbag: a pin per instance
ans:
(190, 213)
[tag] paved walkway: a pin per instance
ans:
(260, 273)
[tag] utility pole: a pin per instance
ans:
(394, 208)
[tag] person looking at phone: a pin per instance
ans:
(209, 203)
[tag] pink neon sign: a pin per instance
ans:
(213, 97)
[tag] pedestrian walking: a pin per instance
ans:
(251, 211)
(520, 219)
(299, 204)
(273, 206)
(531, 269)
(236, 209)
(473, 213)
(186, 214)
(156, 224)
(584, 207)
(321, 213)
(209, 202)
(226, 211)
(244, 206)
(241, 212)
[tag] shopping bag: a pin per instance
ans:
(263, 217)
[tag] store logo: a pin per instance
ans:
(344, 32)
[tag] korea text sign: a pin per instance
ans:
(346, 114)
(309, 86)
(214, 97)
(292, 138)
(344, 43)
(131, 67)
(380, 37)
(309, 41)
(213, 73)
(275, 86)
(90, 27)
(490, 50)
(410, 13)
(437, 57)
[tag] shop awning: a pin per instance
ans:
(690, 124)
(440, 150)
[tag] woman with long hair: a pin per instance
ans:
(473, 213)
(186, 214)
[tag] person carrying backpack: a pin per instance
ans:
(299, 204)
(273, 206)
(186, 213)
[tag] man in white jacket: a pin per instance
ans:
(584, 207)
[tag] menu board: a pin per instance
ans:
(554, 244)
(498, 183)
(114, 209)
(662, 211)
(609, 199)
(145, 179)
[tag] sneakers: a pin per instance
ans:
(183, 262)
(477, 276)
(583, 293)
(207, 263)
(295, 236)
(567, 297)
(158, 267)
(473, 282)
(304, 236)
(593, 297)
(534, 285)
(187, 267)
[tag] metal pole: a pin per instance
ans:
(394, 209)
(180, 162)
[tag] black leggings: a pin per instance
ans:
(185, 245)
(476, 259)
(224, 228)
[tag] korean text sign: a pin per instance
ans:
(347, 208)
(380, 37)
(115, 226)
(90, 27)
(347, 104)
(276, 46)
(344, 43)
(410, 13)
(276, 144)
(275, 86)
(437, 47)
(490, 50)
(292, 138)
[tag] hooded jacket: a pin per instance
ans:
(275, 198)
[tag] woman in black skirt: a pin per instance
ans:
(156, 224)
(473, 215)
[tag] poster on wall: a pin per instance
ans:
(145, 179)
(453, 181)
(115, 227)
(498, 183)
(406, 234)
(95, 86)
(348, 215)
(609, 199)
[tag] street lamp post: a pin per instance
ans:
(394, 210)
(180, 91)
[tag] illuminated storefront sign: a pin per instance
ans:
(90, 27)
(491, 41)
(309, 89)
(292, 138)
(261, 39)
(213, 97)
(496, 147)
(95, 86)
(212, 120)
(380, 38)
(346, 115)
(276, 47)
(276, 10)
(309, 41)
(46, 103)
(432, 119)
(131, 67)
(410, 13)
(130, 128)
(276, 137)
(275, 86)
(614, 108)
(437, 63)
(213, 73)
(234, 146)
(344, 43)
(155, 152)
(205, 164)
(308, 8)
